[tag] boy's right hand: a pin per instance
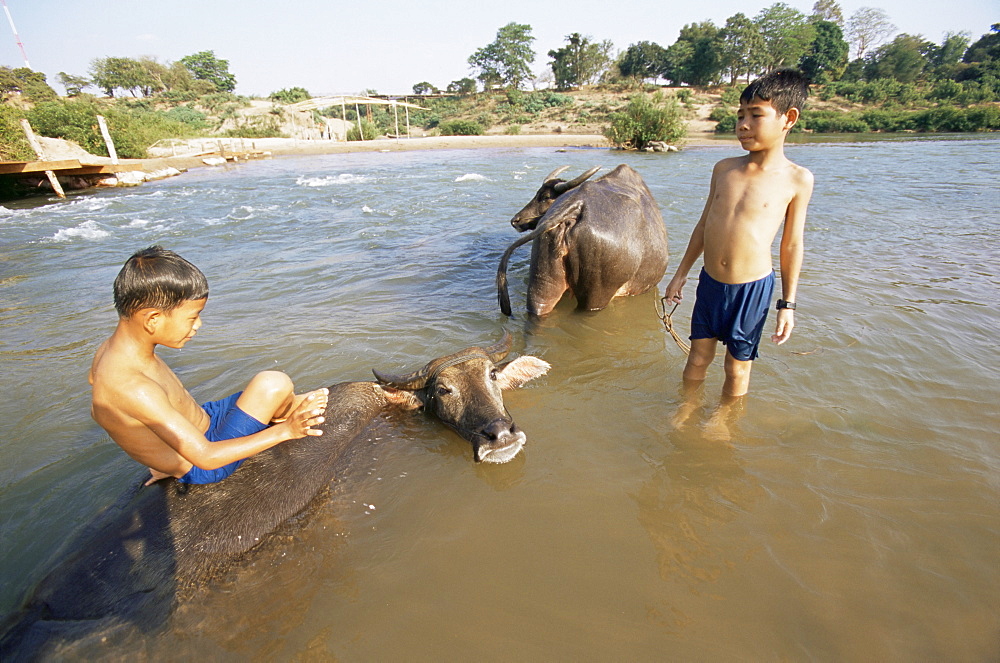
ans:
(673, 292)
(308, 414)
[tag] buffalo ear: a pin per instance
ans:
(401, 398)
(515, 373)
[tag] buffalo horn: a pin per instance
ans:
(499, 350)
(555, 173)
(562, 187)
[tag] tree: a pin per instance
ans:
(112, 73)
(787, 35)
(700, 64)
(31, 84)
(462, 86)
(944, 59)
(868, 27)
(740, 45)
(983, 60)
(826, 58)
(204, 66)
(580, 62)
(74, 84)
(507, 60)
(643, 60)
(828, 10)
(424, 88)
(903, 59)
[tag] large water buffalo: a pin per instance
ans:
(129, 567)
(597, 240)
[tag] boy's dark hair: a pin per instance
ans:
(157, 278)
(784, 88)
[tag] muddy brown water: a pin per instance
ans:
(855, 514)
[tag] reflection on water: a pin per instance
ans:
(853, 515)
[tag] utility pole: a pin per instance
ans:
(16, 38)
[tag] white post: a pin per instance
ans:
(37, 147)
(107, 139)
(357, 110)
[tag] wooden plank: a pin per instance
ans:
(36, 166)
(98, 169)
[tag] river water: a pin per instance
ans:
(855, 514)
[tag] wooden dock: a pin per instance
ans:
(70, 167)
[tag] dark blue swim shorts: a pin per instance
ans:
(228, 421)
(734, 313)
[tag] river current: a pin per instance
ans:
(854, 515)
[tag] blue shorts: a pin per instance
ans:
(734, 313)
(228, 421)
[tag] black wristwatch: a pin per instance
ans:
(783, 304)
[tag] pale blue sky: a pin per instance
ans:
(386, 45)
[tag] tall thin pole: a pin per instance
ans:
(16, 38)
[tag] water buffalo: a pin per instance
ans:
(131, 565)
(598, 240)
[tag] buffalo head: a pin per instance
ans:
(464, 391)
(551, 188)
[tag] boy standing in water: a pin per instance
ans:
(749, 200)
(144, 407)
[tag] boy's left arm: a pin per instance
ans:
(792, 249)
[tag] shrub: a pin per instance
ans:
(189, 116)
(290, 95)
(368, 131)
(646, 119)
(461, 128)
(13, 145)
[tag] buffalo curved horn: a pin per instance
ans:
(410, 382)
(563, 187)
(501, 348)
(555, 173)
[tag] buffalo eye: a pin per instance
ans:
(493, 374)
(443, 390)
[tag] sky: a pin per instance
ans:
(334, 47)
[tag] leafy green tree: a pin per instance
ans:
(647, 118)
(787, 34)
(867, 28)
(740, 46)
(74, 85)
(702, 64)
(903, 59)
(580, 62)
(944, 60)
(425, 88)
(826, 58)
(113, 73)
(828, 10)
(31, 84)
(205, 66)
(462, 86)
(507, 60)
(645, 59)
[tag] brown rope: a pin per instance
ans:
(668, 323)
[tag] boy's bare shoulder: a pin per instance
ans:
(801, 176)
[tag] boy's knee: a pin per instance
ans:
(273, 384)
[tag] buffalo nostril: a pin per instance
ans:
(497, 429)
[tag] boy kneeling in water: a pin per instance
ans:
(144, 407)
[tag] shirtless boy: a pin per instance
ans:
(749, 200)
(144, 407)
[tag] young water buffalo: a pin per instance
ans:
(127, 568)
(597, 240)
